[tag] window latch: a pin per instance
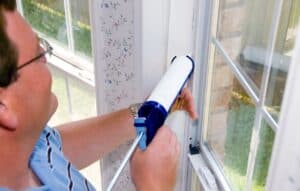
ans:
(194, 149)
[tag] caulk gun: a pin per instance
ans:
(153, 113)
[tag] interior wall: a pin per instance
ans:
(113, 37)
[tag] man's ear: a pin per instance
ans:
(8, 118)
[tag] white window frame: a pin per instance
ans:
(68, 57)
(205, 27)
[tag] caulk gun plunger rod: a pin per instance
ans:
(124, 162)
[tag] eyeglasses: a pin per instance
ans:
(48, 50)
(12, 75)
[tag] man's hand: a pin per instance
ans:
(185, 102)
(155, 169)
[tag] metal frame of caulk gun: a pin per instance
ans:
(151, 116)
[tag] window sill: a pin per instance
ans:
(81, 74)
(205, 176)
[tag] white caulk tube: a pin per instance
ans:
(157, 106)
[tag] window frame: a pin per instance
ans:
(206, 28)
(68, 56)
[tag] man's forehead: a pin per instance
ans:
(16, 24)
(21, 34)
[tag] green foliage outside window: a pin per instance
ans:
(52, 23)
(240, 122)
(46, 20)
(82, 39)
(237, 146)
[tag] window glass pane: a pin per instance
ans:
(263, 156)
(59, 88)
(281, 59)
(83, 99)
(243, 30)
(48, 17)
(76, 99)
(230, 124)
(81, 26)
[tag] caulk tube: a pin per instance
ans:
(157, 106)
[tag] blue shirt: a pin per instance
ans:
(49, 164)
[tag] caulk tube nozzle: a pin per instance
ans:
(157, 106)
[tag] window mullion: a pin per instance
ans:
(270, 120)
(236, 70)
(263, 92)
(68, 91)
(253, 147)
(68, 17)
(270, 52)
(20, 7)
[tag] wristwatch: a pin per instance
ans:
(134, 109)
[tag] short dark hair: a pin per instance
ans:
(8, 51)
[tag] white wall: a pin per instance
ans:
(113, 37)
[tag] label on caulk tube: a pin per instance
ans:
(172, 82)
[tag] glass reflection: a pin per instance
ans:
(245, 35)
(284, 47)
(81, 27)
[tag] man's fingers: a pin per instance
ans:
(162, 134)
(185, 101)
(189, 103)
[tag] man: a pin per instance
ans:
(34, 156)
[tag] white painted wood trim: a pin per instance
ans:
(97, 43)
(153, 52)
(180, 29)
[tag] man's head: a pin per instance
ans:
(27, 103)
